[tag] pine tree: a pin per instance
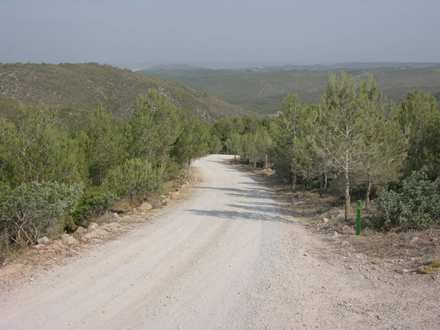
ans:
(419, 112)
(233, 145)
(192, 142)
(153, 127)
(38, 149)
(386, 145)
(101, 145)
(136, 178)
(343, 126)
(290, 137)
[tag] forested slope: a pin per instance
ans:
(263, 92)
(77, 89)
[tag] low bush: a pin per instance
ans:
(92, 204)
(172, 170)
(34, 209)
(136, 178)
(416, 205)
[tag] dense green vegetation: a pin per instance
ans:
(263, 92)
(354, 141)
(75, 90)
(359, 140)
(51, 181)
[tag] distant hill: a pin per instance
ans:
(348, 65)
(77, 89)
(262, 91)
(168, 67)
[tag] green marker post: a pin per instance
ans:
(358, 222)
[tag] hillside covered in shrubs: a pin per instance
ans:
(75, 90)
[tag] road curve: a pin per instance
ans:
(228, 258)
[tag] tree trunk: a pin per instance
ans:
(131, 200)
(325, 180)
(320, 185)
(265, 165)
(367, 197)
(293, 182)
(187, 169)
(235, 158)
(347, 196)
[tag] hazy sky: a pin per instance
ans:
(190, 31)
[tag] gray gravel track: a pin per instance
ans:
(228, 258)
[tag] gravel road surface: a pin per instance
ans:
(228, 258)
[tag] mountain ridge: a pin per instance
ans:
(77, 89)
(263, 92)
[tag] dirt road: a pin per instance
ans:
(228, 258)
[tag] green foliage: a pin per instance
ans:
(420, 113)
(250, 124)
(223, 129)
(34, 209)
(254, 147)
(290, 132)
(344, 124)
(248, 149)
(36, 149)
(386, 146)
(415, 206)
(234, 145)
(136, 178)
(102, 145)
(77, 89)
(153, 127)
(172, 170)
(263, 92)
(214, 144)
(192, 142)
(94, 202)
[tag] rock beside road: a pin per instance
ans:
(92, 226)
(67, 239)
(145, 207)
(43, 240)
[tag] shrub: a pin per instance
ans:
(93, 203)
(415, 206)
(33, 209)
(4, 245)
(172, 170)
(135, 178)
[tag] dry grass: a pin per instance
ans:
(431, 268)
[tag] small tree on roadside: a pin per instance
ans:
(233, 145)
(420, 113)
(289, 135)
(343, 127)
(386, 145)
(153, 127)
(192, 142)
(136, 178)
(263, 143)
(101, 145)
